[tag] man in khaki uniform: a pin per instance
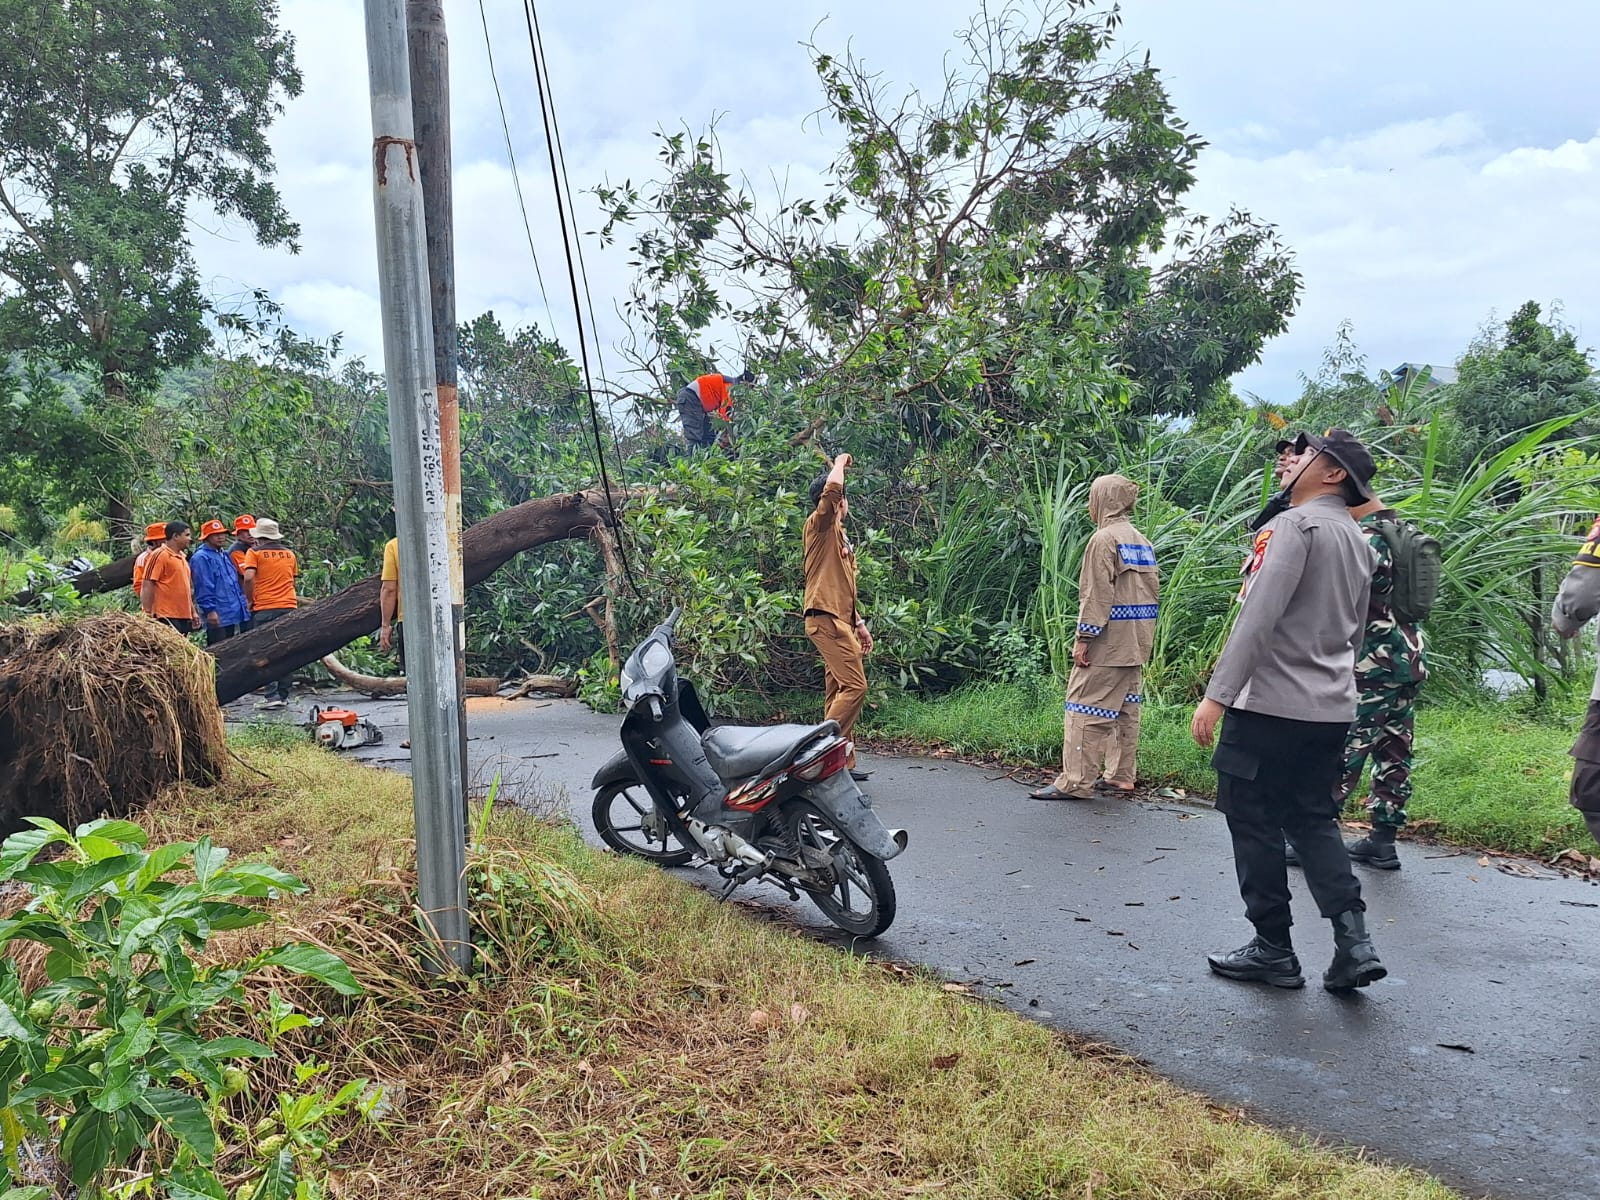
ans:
(1119, 592)
(835, 628)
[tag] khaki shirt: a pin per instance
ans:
(830, 561)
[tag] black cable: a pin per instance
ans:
(583, 269)
(567, 237)
(516, 179)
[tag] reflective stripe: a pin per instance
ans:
(1133, 698)
(1089, 710)
(1134, 612)
(1137, 554)
(1091, 630)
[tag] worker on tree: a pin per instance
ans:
(704, 398)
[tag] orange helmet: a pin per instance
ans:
(210, 527)
(156, 533)
(243, 522)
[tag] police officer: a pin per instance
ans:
(1576, 605)
(1286, 683)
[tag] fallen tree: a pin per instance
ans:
(273, 651)
(380, 686)
(108, 578)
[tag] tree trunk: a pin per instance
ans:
(380, 686)
(120, 528)
(273, 651)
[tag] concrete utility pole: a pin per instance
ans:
(430, 115)
(433, 699)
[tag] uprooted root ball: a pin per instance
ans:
(98, 715)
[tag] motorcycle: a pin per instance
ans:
(770, 802)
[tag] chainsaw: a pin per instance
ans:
(341, 729)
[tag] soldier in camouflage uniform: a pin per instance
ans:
(1390, 670)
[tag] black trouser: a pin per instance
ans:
(278, 689)
(696, 421)
(184, 625)
(221, 633)
(1276, 777)
(1585, 793)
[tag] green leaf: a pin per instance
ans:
(316, 962)
(159, 861)
(185, 1117)
(235, 1047)
(208, 860)
(258, 879)
(125, 832)
(28, 1193)
(86, 1144)
(97, 874)
(96, 848)
(277, 1183)
(193, 1185)
(122, 1087)
(63, 1081)
(137, 1037)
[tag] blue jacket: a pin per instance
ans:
(216, 586)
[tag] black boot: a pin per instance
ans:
(1355, 960)
(1290, 855)
(1376, 849)
(1261, 961)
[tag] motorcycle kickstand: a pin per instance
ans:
(735, 874)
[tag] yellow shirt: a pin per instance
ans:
(391, 574)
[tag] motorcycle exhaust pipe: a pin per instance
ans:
(722, 844)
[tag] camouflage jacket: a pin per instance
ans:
(1391, 651)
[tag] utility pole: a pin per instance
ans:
(430, 115)
(433, 699)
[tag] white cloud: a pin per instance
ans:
(1416, 233)
(1419, 189)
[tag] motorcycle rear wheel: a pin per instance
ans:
(625, 817)
(862, 900)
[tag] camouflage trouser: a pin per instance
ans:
(1382, 731)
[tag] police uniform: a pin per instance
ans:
(1576, 604)
(1286, 680)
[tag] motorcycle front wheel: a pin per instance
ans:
(626, 819)
(861, 901)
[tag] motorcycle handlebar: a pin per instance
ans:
(670, 625)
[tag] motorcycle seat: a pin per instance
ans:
(741, 751)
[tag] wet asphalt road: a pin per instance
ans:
(1478, 1059)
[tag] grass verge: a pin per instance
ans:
(630, 1037)
(1490, 775)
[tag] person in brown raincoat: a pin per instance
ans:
(1119, 592)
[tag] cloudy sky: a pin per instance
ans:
(1432, 163)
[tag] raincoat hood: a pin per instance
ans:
(1111, 499)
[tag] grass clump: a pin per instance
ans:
(630, 1036)
(1489, 775)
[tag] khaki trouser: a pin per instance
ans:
(843, 672)
(1101, 726)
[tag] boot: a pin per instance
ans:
(1261, 961)
(1355, 959)
(1291, 856)
(1376, 849)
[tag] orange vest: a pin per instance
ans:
(714, 394)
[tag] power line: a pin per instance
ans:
(574, 256)
(516, 178)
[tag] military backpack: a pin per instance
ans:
(1418, 568)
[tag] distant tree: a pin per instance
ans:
(1530, 372)
(1207, 313)
(117, 119)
